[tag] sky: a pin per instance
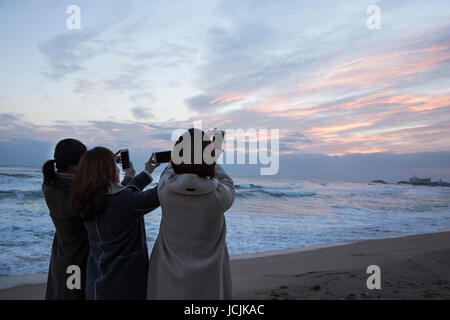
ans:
(137, 70)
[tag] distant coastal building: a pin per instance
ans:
(425, 182)
(416, 180)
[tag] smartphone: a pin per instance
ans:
(125, 156)
(163, 156)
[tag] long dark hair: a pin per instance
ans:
(67, 153)
(96, 172)
(204, 169)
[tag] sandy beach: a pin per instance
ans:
(413, 267)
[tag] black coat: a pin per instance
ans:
(70, 243)
(118, 260)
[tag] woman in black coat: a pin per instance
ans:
(70, 243)
(114, 218)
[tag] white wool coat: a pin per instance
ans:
(190, 258)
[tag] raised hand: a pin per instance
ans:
(130, 171)
(151, 164)
(117, 157)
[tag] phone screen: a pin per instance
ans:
(162, 157)
(125, 156)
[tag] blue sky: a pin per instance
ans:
(138, 69)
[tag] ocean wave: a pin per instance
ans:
(273, 193)
(244, 190)
(16, 184)
(18, 175)
(240, 186)
(15, 194)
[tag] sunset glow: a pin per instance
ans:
(331, 85)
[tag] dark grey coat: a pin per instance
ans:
(118, 257)
(70, 243)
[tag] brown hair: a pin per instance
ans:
(204, 169)
(95, 173)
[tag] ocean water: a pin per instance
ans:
(268, 214)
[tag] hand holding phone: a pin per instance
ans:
(125, 159)
(151, 164)
(130, 171)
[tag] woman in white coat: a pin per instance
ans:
(190, 257)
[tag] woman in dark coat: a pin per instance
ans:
(114, 218)
(70, 243)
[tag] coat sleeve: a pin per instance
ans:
(126, 180)
(225, 191)
(140, 181)
(167, 170)
(142, 202)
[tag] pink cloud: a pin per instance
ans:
(380, 70)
